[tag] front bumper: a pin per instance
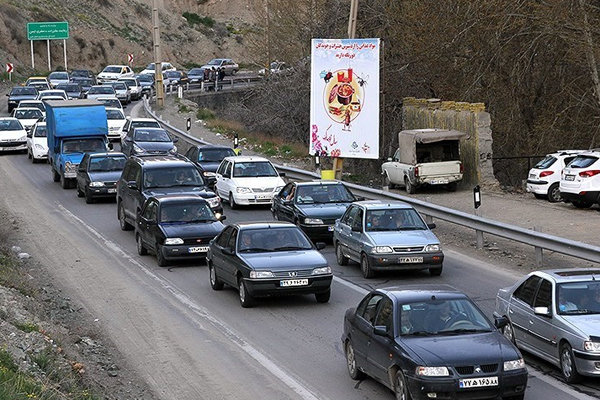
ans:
(13, 146)
(587, 364)
(272, 286)
(180, 252)
(394, 262)
(253, 198)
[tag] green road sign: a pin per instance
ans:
(47, 30)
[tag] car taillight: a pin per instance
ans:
(416, 171)
(461, 168)
(590, 173)
(546, 173)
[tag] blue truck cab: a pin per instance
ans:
(75, 127)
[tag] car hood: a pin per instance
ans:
(259, 182)
(20, 97)
(284, 260)
(9, 136)
(395, 238)
(28, 122)
(461, 350)
(588, 325)
(110, 176)
(329, 210)
(42, 141)
(192, 190)
(200, 229)
(73, 158)
(155, 146)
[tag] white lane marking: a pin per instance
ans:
(250, 350)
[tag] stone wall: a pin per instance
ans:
(476, 151)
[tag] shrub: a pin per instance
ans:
(205, 114)
(195, 19)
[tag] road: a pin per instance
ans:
(189, 342)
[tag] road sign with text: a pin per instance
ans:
(47, 30)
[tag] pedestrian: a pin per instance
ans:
(221, 73)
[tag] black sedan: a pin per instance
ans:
(264, 259)
(72, 89)
(426, 343)
(313, 206)
(176, 227)
(149, 141)
(97, 175)
(195, 75)
(208, 158)
(20, 93)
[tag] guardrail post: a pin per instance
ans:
(539, 252)
(202, 86)
(232, 81)
(478, 233)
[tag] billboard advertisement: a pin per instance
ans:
(344, 98)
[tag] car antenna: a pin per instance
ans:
(433, 297)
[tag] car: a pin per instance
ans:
(82, 74)
(176, 227)
(195, 75)
(555, 314)
(101, 91)
(51, 97)
(13, 136)
(386, 236)
(248, 180)
(37, 142)
(45, 94)
(110, 102)
(276, 67)
(116, 120)
(176, 78)
(543, 179)
(147, 83)
(165, 66)
(57, 77)
(72, 89)
(148, 141)
(208, 158)
(27, 116)
(313, 206)
(230, 67)
(580, 181)
(33, 104)
(122, 91)
(268, 259)
(40, 86)
(427, 342)
(134, 86)
(114, 72)
(132, 123)
(97, 175)
(36, 79)
(86, 84)
(145, 176)
(19, 93)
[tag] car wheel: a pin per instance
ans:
(246, 299)
(567, 364)
(160, 258)
(508, 332)
(554, 193)
(79, 192)
(410, 188)
(323, 297)
(125, 226)
(582, 203)
(339, 255)
(400, 387)
(64, 182)
(55, 175)
(353, 370)
(365, 267)
(89, 198)
(142, 251)
(215, 283)
(437, 271)
(232, 203)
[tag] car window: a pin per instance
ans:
(370, 310)
(349, 216)
(150, 211)
(578, 297)
(286, 190)
(544, 295)
(227, 172)
(273, 240)
(232, 239)
(114, 114)
(384, 316)
(442, 316)
(107, 164)
(358, 220)
(186, 175)
(151, 135)
(568, 160)
(186, 212)
(40, 131)
(545, 163)
(526, 291)
(583, 161)
(214, 155)
(224, 236)
(138, 175)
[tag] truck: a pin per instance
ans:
(425, 157)
(74, 127)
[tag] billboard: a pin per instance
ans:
(47, 30)
(344, 98)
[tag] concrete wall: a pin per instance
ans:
(476, 151)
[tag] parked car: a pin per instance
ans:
(110, 102)
(148, 141)
(45, 94)
(427, 343)
(208, 158)
(313, 206)
(115, 119)
(195, 75)
(132, 123)
(176, 78)
(73, 90)
(266, 259)
(165, 66)
(57, 77)
(580, 182)
(176, 227)
(230, 67)
(122, 91)
(555, 314)
(152, 175)
(248, 180)
(135, 89)
(19, 93)
(101, 91)
(386, 236)
(543, 179)
(33, 104)
(147, 83)
(82, 74)
(27, 116)
(97, 175)
(13, 136)
(114, 72)
(37, 143)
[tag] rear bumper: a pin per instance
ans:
(318, 231)
(394, 262)
(587, 196)
(537, 187)
(438, 180)
(182, 252)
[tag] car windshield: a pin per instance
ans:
(28, 114)
(172, 177)
(545, 163)
(150, 66)
(107, 164)
(85, 81)
(58, 75)
(10, 125)
(214, 155)
(400, 219)
(582, 161)
(39, 85)
(253, 169)
(272, 239)
(114, 114)
(84, 146)
(151, 135)
(196, 71)
(578, 298)
(77, 73)
(112, 70)
(441, 317)
(172, 74)
(39, 105)
(215, 61)
(185, 213)
(119, 86)
(145, 124)
(52, 93)
(129, 82)
(40, 131)
(145, 78)
(102, 90)
(23, 91)
(318, 194)
(111, 103)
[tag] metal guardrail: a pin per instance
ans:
(538, 240)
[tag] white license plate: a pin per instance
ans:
(293, 282)
(439, 181)
(410, 260)
(330, 228)
(112, 190)
(200, 249)
(569, 177)
(262, 197)
(532, 176)
(478, 382)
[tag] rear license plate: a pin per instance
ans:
(410, 260)
(199, 249)
(532, 176)
(569, 177)
(293, 282)
(478, 382)
(330, 228)
(112, 190)
(439, 181)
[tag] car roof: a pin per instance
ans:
(215, 147)
(566, 153)
(318, 182)
(561, 275)
(107, 154)
(161, 160)
(147, 128)
(142, 119)
(37, 77)
(421, 292)
(175, 198)
(382, 204)
(245, 158)
(114, 109)
(265, 225)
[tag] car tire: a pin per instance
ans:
(323, 297)
(515, 397)
(581, 204)
(125, 226)
(400, 387)
(55, 175)
(246, 300)
(351, 363)
(554, 193)
(215, 282)
(567, 364)
(365, 267)
(89, 198)
(141, 250)
(79, 192)
(436, 271)
(232, 203)
(160, 258)
(452, 186)
(509, 332)
(410, 188)
(339, 255)
(64, 182)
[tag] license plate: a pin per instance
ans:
(439, 181)
(410, 260)
(293, 282)
(112, 190)
(532, 176)
(262, 197)
(330, 228)
(200, 249)
(478, 382)
(569, 177)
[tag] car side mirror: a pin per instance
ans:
(29, 134)
(282, 174)
(359, 198)
(356, 228)
(110, 146)
(542, 311)
(500, 322)
(175, 140)
(286, 202)
(132, 185)
(227, 251)
(389, 159)
(431, 225)
(222, 218)
(380, 331)
(320, 245)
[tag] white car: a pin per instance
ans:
(165, 66)
(135, 89)
(33, 104)
(116, 120)
(52, 92)
(115, 72)
(97, 91)
(132, 123)
(37, 143)
(580, 181)
(544, 178)
(58, 77)
(13, 136)
(27, 116)
(247, 180)
(110, 102)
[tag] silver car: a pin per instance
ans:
(386, 236)
(555, 314)
(122, 91)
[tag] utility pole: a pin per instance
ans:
(158, 78)
(268, 23)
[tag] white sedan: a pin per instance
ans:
(27, 116)
(116, 120)
(37, 143)
(13, 136)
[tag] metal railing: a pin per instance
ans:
(539, 240)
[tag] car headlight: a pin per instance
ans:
(278, 189)
(313, 221)
(382, 249)
(137, 148)
(96, 184)
(23, 138)
(243, 190)
(432, 371)
(39, 147)
(321, 271)
(430, 248)
(261, 274)
(207, 173)
(591, 346)
(213, 201)
(169, 241)
(514, 364)
(70, 167)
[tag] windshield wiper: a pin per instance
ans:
(256, 249)
(420, 333)
(290, 248)
(581, 311)
(459, 331)
(411, 228)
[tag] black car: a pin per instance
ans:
(81, 74)
(149, 141)
(73, 90)
(20, 93)
(153, 175)
(268, 258)
(176, 227)
(195, 75)
(313, 206)
(176, 78)
(209, 158)
(97, 175)
(426, 343)
(86, 84)
(147, 83)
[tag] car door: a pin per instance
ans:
(520, 309)
(148, 224)
(216, 256)
(378, 353)
(542, 330)
(345, 228)
(130, 199)
(283, 203)
(220, 179)
(231, 261)
(362, 331)
(355, 238)
(82, 172)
